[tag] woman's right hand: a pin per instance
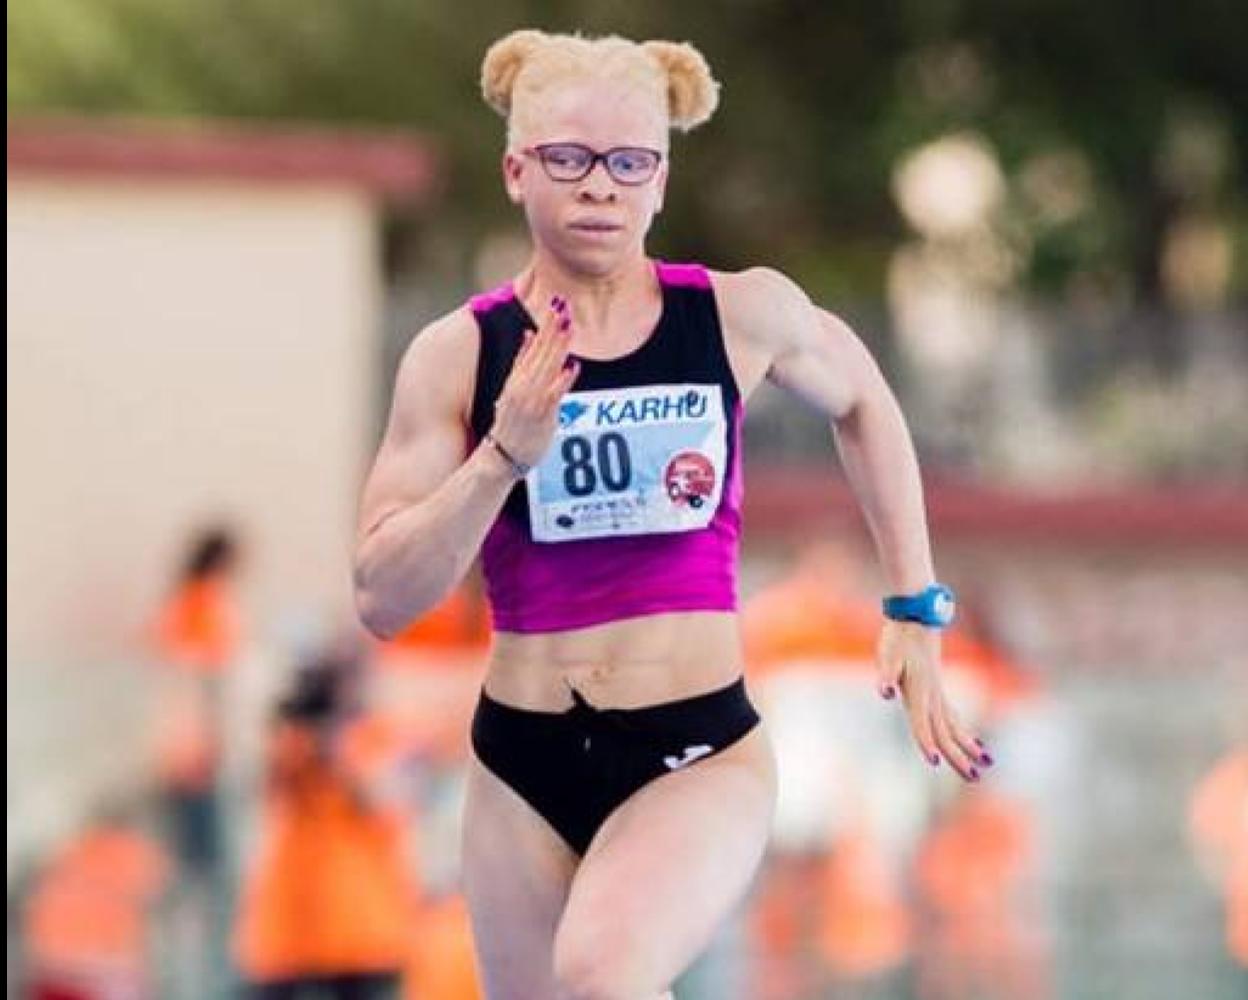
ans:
(526, 414)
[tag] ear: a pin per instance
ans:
(660, 187)
(513, 168)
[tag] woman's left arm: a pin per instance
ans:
(817, 356)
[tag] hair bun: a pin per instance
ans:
(692, 93)
(502, 65)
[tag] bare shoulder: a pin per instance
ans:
(762, 305)
(753, 305)
(768, 317)
(438, 370)
(425, 437)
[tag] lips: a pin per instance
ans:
(595, 226)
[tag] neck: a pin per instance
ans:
(601, 304)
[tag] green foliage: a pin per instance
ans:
(820, 101)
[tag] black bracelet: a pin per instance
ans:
(519, 469)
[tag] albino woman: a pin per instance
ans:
(580, 427)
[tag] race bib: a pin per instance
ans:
(644, 460)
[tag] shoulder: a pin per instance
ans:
(448, 336)
(765, 307)
(803, 348)
(438, 368)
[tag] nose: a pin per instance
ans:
(598, 184)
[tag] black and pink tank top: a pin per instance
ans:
(635, 509)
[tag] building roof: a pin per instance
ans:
(390, 164)
(792, 498)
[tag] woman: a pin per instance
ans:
(580, 426)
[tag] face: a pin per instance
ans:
(594, 223)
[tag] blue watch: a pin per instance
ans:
(934, 606)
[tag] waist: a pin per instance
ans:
(622, 664)
(547, 588)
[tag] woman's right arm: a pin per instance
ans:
(425, 509)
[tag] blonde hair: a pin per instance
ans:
(521, 66)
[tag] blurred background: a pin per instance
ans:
(227, 219)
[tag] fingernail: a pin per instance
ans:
(979, 743)
(986, 759)
(890, 692)
(934, 760)
(564, 324)
(974, 772)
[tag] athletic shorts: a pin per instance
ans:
(576, 767)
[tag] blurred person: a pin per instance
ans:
(196, 635)
(622, 786)
(864, 931)
(810, 640)
(1218, 827)
(973, 872)
(328, 901)
(818, 608)
(87, 926)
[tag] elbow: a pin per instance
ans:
(374, 618)
(384, 611)
(372, 610)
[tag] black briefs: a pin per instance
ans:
(575, 767)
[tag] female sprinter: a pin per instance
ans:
(580, 426)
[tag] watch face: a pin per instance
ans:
(943, 607)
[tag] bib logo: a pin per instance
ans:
(570, 412)
(689, 405)
(689, 479)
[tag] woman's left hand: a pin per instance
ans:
(908, 658)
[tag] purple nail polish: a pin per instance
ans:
(934, 760)
(979, 743)
(554, 302)
(974, 772)
(986, 759)
(564, 324)
(890, 692)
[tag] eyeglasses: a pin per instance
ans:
(571, 161)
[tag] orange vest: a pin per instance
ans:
(88, 913)
(329, 892)
(198, 627)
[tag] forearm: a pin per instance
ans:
(409, 561)
(879, 460)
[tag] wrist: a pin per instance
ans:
(514, 466)
(934, 606)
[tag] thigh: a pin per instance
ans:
(668, 866)
(516, 874)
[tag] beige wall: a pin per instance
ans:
(177, 350)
